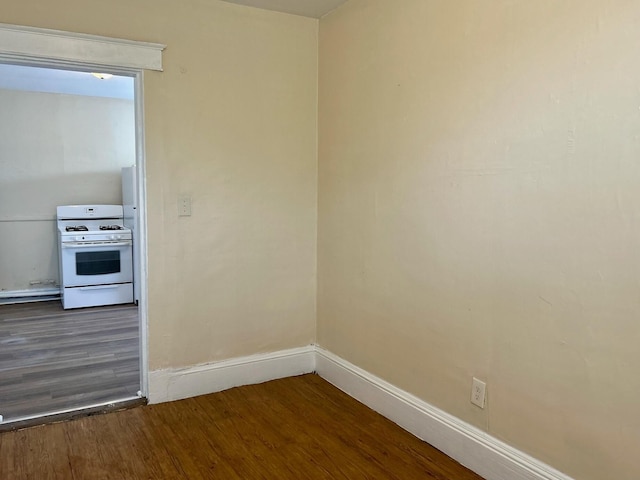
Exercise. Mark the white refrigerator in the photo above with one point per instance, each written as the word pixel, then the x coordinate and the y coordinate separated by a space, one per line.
pixel 130 207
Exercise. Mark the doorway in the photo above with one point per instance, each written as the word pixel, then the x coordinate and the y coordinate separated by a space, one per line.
pixel 68 134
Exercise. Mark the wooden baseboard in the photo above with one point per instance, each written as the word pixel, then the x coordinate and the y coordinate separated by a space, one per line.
pixel 473 448
pixel 175 384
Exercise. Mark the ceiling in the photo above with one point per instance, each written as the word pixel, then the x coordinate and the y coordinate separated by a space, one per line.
pixel 305 8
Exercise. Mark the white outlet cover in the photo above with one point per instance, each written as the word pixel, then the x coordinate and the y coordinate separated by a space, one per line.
pixel 478 392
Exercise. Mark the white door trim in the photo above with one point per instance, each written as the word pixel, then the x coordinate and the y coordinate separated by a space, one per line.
pixel 53 48
pixel 141 228
pixel 28 43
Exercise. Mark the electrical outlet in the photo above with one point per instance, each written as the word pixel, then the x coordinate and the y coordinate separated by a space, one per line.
pixel 184 206
pixel 478 391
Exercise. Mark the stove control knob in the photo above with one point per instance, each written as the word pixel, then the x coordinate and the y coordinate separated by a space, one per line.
pixel 115 237
pixel 77 239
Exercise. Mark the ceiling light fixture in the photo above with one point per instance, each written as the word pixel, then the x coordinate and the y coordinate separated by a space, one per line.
pixel 102 76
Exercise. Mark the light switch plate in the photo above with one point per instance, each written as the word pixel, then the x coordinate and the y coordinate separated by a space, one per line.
pixel 184 206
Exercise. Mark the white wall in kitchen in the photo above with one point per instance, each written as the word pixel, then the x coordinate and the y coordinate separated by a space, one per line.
pixel 55 149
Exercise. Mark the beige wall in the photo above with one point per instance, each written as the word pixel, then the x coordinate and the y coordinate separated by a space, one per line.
pixel 232 123
pixel 54 150
pixel 478 200
pixel 479 209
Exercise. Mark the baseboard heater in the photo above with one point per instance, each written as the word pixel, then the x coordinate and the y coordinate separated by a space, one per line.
pixel 29 294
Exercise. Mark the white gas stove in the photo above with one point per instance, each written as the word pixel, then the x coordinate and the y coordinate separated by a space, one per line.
pixel 96 266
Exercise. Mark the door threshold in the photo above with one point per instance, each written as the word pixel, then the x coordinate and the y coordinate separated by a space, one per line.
pixel 72 414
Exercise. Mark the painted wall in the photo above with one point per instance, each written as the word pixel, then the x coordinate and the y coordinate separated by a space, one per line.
pixel 54 150
pixel 231 122
pixel 479 214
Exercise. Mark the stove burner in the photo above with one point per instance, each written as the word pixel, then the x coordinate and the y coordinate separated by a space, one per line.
pixel 111 227
pixel 78 228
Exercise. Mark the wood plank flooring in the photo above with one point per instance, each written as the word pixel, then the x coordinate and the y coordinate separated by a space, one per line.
pixel 53 359
pixel 294 428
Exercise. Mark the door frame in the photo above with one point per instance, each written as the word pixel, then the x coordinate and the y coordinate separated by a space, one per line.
pixel 37 47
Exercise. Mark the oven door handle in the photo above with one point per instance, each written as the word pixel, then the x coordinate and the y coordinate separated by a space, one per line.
pixel 95 244
pixel 99 287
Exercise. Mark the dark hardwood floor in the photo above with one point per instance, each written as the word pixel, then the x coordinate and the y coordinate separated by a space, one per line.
pixel 53 359
pixel 294 428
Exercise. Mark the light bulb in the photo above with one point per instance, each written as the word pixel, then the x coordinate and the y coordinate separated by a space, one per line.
pixel 102 76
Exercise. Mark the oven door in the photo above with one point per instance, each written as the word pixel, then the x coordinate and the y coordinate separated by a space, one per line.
pixel 96 263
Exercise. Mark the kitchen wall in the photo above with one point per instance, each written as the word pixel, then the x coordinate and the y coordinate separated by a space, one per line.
pixel 54 150
pixel 479 214
pixel 231 122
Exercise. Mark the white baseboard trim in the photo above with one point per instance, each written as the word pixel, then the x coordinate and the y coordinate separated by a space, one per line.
pixel 473 448
pixel 176 384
